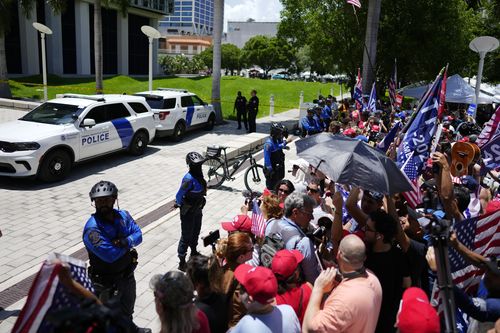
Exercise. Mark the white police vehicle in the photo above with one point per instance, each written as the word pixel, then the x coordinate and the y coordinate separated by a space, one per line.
pixel 73 128
pixel 179 111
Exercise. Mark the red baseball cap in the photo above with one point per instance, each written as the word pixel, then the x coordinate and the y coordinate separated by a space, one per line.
pixel 416 314
pixel 239 223
pixel 285 262
pixel 492 206
pixel 259 282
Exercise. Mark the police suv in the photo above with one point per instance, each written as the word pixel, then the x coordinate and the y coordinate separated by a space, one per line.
pixel 179 111
pixel 73 128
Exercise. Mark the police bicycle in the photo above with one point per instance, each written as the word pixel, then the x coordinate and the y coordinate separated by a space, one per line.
pixel 217 168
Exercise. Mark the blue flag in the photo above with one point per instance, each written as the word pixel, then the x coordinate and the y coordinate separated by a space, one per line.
pixel 389 138
pixel 372 102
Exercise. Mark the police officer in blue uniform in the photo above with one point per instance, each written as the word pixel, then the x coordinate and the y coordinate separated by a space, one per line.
pixel 310 124
pixel 191 200
pixel 274 158
pixel 110 236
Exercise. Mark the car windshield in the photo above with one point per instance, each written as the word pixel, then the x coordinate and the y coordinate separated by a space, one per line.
pixel 53 113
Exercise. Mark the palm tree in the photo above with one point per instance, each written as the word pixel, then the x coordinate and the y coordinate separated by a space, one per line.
pixel 217 35
pixel 370 47
pixel 5 17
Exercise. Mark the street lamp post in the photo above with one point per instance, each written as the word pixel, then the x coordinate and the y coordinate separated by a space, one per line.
pixel 152 33
pixel 44 30
pixel 481 45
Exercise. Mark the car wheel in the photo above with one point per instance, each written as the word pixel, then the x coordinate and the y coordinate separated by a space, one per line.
pixel 179 131
pixel 138 144
pixel 210 122
pixel 55 166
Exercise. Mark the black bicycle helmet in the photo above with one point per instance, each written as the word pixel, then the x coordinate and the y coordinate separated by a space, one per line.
pixel 276 129
pixel 194 158
pixel 103 189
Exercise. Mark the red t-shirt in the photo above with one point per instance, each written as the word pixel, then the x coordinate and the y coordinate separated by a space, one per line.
pixel 293 298
pixel 203 320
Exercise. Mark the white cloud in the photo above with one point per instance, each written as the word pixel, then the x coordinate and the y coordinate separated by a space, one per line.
pixel 259 10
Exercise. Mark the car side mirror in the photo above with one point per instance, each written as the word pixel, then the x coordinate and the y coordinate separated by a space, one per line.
pixel 88 123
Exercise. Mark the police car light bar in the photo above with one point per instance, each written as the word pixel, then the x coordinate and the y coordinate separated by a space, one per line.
pixel 97 99
pixel 173 89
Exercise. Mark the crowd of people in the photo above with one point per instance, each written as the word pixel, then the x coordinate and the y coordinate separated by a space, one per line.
pixel 331 258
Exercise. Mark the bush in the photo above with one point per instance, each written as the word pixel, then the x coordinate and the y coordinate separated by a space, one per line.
pixel 180 64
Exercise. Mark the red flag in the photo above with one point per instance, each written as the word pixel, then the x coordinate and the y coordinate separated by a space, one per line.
pixel 442 94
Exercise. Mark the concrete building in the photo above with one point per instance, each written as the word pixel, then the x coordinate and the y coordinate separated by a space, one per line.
pixel 186 45
pixel 190 17
pixel 70 49
pixel 238 33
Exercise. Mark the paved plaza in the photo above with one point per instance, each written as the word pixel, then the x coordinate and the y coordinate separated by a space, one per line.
pixel 38 219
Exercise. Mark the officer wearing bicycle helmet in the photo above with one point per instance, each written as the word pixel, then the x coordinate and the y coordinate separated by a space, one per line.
pixel 274 158
pixel 191 200
pixel 110 236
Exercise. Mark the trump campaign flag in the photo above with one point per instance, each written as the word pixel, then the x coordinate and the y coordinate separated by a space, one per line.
pixel 372 102
pixel 47 294
pixel 389 138
pixel 413 151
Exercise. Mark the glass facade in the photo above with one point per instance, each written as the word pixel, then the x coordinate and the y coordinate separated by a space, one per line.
pixel 190 17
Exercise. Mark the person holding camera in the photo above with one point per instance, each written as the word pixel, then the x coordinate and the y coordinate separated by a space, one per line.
pixel 191 199
pixel 274 158
pixel 353 304
pixel 110 236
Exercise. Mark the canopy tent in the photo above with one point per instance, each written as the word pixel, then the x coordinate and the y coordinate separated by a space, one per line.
pixel 457 91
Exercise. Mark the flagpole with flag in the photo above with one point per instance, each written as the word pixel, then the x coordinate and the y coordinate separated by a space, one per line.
pixel 358 92
pixel 414 149
pixel 392 86
pixel 372 102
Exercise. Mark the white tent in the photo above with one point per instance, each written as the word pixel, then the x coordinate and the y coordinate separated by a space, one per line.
pixel 457 91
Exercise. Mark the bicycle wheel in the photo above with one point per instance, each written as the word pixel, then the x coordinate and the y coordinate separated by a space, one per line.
pixel 213 170
pixel 254 178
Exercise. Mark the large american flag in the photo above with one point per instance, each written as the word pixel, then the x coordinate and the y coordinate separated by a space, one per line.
pixel 258 222
pixel 356 3
pixel 415 146
pixel 47 294
pixel 392 86
pixel 481 235
pixel 358 92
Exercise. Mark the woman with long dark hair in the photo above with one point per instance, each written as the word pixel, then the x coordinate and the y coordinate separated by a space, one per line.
pixel 191 200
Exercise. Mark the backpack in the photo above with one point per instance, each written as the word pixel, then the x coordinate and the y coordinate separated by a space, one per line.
pixel 271 245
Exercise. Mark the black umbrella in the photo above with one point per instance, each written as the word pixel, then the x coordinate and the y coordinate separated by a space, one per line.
pixel 352 162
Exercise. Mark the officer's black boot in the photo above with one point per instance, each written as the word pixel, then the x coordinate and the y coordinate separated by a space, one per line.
pixel 182 264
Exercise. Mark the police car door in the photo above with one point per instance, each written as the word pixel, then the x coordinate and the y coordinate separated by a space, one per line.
pixel 95 140
pixel 200 110
pixel 188 110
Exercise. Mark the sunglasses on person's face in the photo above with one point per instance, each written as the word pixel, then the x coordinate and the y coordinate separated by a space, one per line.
pixel 284 190
pixel 313 190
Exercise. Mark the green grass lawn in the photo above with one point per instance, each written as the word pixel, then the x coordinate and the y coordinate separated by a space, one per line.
pixel 286 93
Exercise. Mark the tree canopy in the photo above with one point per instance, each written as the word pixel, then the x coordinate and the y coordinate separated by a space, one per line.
pixel 267 52
pixel 423 35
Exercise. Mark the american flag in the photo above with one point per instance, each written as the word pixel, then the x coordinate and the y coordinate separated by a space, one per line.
pixel 372 102
pixel 490 130
pixel 358 92
pixel 413 151
pixel 258 222
pixel 392 86
pixel 356 3
pixel 47 294
pixel 481 235
pixel 345 194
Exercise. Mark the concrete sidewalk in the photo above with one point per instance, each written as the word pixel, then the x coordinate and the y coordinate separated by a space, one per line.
pixel 157 253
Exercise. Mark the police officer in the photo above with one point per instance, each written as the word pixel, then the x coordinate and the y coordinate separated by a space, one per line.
pixel 274 158
pixel 240 106
pixel 253 108
pixel 191 200
pixel 309 123
pixel 110 236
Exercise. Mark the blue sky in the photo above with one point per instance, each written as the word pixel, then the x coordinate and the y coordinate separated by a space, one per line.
pixel 259 10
